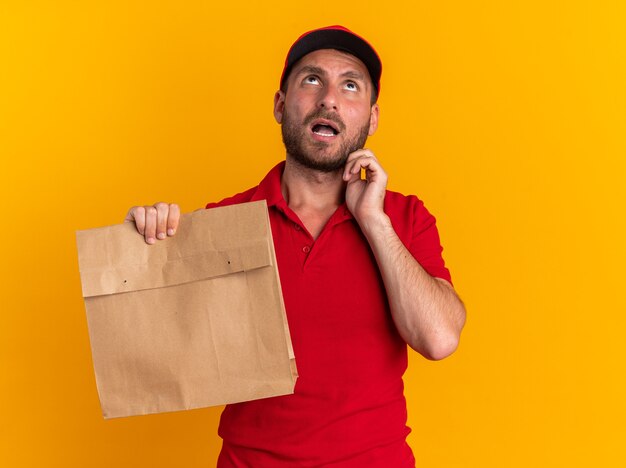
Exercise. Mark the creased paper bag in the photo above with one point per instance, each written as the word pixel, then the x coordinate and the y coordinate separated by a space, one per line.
pixel 195 320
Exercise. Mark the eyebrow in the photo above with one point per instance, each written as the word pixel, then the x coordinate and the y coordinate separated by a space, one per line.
pixel 311 69
pixel 320 71
pixel 354 74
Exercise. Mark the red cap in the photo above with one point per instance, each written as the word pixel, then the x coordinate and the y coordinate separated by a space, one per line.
pixel 339 38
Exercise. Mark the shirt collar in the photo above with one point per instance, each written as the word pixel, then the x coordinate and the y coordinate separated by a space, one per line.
pixel 269 189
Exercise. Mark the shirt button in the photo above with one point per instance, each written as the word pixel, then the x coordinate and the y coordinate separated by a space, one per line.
pixel 306 249
pixel 297 226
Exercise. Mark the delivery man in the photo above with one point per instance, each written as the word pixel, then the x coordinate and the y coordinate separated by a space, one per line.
pixel 360 266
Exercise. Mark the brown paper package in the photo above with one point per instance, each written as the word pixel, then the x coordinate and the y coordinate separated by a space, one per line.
pixel 195 320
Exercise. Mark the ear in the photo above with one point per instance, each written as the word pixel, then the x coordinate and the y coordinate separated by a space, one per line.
pixel 279 106
pixel 373 119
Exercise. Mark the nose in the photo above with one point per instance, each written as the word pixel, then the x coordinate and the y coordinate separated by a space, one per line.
pixel 328 98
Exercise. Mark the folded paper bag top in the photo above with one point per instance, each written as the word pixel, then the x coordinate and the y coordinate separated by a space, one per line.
pixel 194 320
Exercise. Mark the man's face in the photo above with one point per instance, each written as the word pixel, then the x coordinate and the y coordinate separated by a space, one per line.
pixel 326 112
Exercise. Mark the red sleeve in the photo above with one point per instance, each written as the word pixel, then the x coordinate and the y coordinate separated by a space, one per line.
pixel 242 197
pixel 417 229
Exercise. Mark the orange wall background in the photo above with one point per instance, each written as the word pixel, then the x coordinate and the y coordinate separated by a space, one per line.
pixel 506 118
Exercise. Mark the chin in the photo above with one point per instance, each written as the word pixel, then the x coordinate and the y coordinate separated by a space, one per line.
pixel 321 164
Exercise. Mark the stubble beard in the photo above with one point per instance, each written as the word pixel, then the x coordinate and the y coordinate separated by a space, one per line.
pixel 318 156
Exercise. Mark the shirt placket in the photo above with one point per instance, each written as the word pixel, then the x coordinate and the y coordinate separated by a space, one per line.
pixel 306 248
pixel 302 241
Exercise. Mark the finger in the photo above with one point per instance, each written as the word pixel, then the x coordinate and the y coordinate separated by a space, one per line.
pixel 353 170
pixel 373 169
pixel 359 153
pixel 364 161
pixel 350 177
pixel 172 219
pixel 130 216
pixel 374 173
pixel 137 215
pixel 352 163
pixel 151 223
pixel 163 210
pixel 348 171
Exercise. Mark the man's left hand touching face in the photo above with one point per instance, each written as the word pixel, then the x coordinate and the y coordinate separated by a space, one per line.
pixel 365 197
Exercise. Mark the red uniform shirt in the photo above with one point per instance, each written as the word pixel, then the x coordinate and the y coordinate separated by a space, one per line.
pixel 348 409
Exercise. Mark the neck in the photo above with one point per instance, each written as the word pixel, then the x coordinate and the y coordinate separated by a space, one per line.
pixel 311 189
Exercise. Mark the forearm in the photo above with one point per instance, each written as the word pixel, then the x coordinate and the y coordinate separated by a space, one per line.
pixel 426 311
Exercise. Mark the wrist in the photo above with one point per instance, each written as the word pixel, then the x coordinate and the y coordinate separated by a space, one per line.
pixel 375 224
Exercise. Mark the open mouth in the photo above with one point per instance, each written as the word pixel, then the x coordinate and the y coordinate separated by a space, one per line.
pixel 324 128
